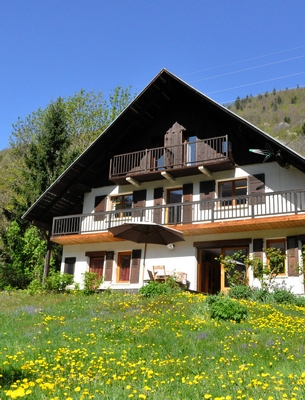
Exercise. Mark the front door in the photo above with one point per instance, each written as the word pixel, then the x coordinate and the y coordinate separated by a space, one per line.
pixel 208 272
pixel 123 267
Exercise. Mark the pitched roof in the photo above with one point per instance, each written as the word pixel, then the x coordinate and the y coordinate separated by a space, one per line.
pixel 161 99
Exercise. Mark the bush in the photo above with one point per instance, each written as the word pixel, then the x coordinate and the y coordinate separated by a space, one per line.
pixel 260 295
pixel 300 301
pixel 154 288
pixel 92 282
pixel 226 309
pixel 57 282
pixel 35 287
pixel 283 296
pixel 241 292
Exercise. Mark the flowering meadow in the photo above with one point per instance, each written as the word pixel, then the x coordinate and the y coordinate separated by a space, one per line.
pixel 124 346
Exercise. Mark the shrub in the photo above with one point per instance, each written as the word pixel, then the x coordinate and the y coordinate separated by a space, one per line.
pixel 35 287
pixel 260 295
pixel 241 292
pixel 226 309
pixel 92 282
pixel 300 301
pixel 283 296
pixel 154 288
pixel 57 282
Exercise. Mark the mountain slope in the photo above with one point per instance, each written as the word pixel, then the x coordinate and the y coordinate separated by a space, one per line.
pixel 279 113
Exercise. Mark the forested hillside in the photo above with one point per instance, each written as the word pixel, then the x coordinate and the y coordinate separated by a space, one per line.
pixel 279 113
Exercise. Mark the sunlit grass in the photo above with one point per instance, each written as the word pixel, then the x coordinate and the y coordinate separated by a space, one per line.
pixel 118 346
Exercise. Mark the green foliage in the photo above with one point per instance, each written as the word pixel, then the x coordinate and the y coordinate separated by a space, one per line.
pixel 154 288
pixel 225 309
pixel 267 273
pixel 267 112
pixel 91 282
pixel 58 282
pixel 241 292
pixel 261 295
pixel 299 301
pixel 235 276
pixel 43 144
pixel 35 287
pixel 23 256
pixel 283 296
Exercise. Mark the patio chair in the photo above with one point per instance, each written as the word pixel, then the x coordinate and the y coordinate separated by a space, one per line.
pixel 159 273
pixel 151 275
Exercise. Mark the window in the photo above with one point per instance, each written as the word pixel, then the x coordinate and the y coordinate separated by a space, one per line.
pixel 234 188
pixel 278 244
pixel 174 212
pixel 123 269
pixel 69 265
pixel 123 202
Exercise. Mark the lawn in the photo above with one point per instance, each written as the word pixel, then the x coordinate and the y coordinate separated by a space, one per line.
pixel 124 346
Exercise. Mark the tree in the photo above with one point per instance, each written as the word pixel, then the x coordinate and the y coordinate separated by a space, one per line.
pixel 42 145
pixel 23 257
pixel 47 154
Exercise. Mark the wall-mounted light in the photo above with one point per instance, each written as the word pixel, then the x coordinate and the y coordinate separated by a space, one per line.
pixel 171 246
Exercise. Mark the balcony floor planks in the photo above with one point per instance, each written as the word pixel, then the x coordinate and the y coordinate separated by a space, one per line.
pixel 208 228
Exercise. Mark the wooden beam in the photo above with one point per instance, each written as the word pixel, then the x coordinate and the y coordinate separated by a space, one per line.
pixel 167 176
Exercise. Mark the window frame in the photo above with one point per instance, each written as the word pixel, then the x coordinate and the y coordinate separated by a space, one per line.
pixel 232 202
pixel 122 203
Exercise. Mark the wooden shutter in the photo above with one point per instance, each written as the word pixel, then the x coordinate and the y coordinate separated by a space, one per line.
pixel 139 201
pixel 207 192
pixel 293 255
pixel 135 266
pixel 109 265
pixel 187 197
pixel 69 265
pixel 158 199
pixel 174 137
pixel 256 185
pixel 100 206
pixel 258 245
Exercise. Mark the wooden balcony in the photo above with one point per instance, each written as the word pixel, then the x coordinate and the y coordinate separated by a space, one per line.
pixel 276 210
pixel 181 160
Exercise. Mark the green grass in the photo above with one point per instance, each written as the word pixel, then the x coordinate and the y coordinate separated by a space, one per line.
pixel 118 346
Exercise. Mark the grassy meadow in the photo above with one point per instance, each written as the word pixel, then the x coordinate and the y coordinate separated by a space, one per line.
pixel 124 346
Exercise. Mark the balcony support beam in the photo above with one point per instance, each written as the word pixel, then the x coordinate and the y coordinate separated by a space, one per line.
pixel 133 181
pixel 167 176
pixel 204 171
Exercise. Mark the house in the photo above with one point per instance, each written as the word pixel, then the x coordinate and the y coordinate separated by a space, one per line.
pixel 177 158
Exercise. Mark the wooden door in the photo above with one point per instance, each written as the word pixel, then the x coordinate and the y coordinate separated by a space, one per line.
pixel 123 267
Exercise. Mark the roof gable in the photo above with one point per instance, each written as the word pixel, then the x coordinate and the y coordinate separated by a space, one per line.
pixel 165 100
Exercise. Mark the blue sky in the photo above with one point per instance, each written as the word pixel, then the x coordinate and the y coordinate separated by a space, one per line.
pixel 223 48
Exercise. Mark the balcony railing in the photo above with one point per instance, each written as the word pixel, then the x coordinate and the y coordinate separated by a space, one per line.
pixel 187 154
pixel 228 208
